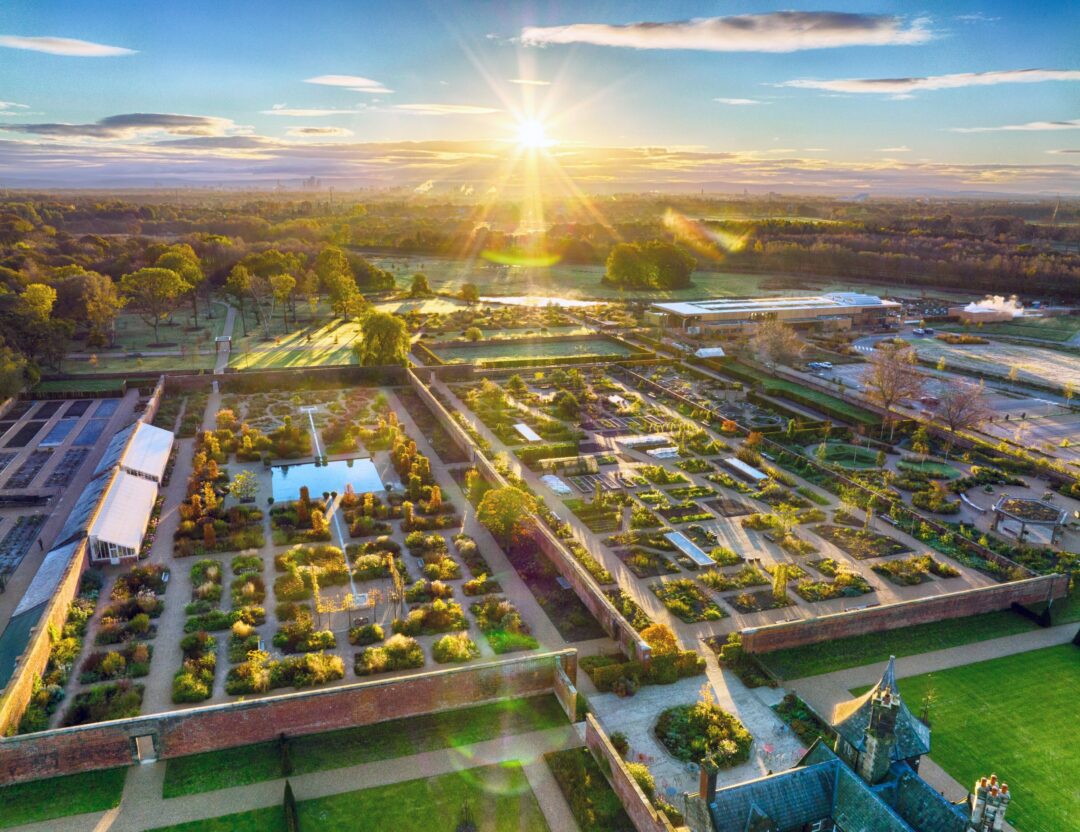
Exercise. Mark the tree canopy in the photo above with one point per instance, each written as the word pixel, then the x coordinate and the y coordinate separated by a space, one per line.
pixel 384 340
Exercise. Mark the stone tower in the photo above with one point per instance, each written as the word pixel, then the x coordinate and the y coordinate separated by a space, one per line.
pixel 988 803
pixel 880 741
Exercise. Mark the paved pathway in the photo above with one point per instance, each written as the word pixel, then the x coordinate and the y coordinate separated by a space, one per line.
pixel 142 806
pixel 222 361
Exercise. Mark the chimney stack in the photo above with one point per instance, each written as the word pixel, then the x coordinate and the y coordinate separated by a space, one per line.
pixel 707 780
pixel 988 804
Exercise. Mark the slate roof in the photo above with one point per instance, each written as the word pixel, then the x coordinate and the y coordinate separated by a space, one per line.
pixel 790 799
pixel 851 718
pixel 114 451
pixel 923 807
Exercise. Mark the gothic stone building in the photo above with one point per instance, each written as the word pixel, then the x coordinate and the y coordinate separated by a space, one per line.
pixel 868 782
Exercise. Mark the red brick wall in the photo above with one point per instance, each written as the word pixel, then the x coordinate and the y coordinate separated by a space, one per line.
pixel 105 745
pixel 15 697
pixel 642 814
pixel 876 619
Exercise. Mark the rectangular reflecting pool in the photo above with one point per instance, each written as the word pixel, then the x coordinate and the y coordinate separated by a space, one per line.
pixel 289 479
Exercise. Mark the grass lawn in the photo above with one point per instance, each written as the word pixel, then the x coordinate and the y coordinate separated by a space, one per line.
pixel 1013 716
pixel 494 351
pixel 937 470
pixel 595 805
pixel 79 385
pixel 848 456
pixel 57 797
pixel 499 796
pixel 309 345
pixel 814 659
pixel 382 741
pixel 1057 330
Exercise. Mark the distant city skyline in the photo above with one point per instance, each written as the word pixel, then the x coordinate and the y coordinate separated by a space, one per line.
pixel 547 99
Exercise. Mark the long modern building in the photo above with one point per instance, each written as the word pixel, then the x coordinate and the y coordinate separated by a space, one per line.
pixel 734 316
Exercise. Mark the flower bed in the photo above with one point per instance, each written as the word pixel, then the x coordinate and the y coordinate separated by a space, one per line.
pixel 398 653
pixel 914 570
pixel 194 682
pixel 131 661
pixel 455 647
pixel 645 564
pixel 845 583
pixel 749 575
pixel 260 673
pixel 629 609
pixel 760 601
pixel 501 624
pixel 116 700
pixel 297 634
pixel 693 732
pixel 686 601
pixel 861 544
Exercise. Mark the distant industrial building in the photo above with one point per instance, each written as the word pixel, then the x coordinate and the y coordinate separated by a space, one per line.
pixel 835 311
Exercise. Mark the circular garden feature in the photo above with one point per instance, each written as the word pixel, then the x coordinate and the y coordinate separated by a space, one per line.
pixel 693 732
pixel 844 455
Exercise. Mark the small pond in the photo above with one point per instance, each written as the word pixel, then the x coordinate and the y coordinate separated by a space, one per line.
pixel 334 476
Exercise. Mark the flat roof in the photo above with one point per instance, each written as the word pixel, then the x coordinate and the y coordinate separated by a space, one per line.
pixel 749 470
pixel 125 511
pixel 148 451
pixel 690 549
pixel 528 433
pixel 831 301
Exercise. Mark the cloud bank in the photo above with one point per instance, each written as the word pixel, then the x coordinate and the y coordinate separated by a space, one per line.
pixel 307 112
pixel 316 132
pixel 64 46
pixel 737 102
pixel 1029 127
pixel 773 32
pixel 907 86
pixel 129 125
pixel 356 83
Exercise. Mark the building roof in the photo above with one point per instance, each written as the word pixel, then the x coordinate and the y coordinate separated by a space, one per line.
pixel 82 513
pixel 710 352
pixel 850 720
pixel 790 799
pixel 835 301
pixel 690 549
pixel 48 577
pixel 148 451
pixel 528 433
pixel 125 511
pixel 114 451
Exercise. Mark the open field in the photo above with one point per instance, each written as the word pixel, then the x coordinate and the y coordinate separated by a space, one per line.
pixel 1058 329
pixel 499 796
pixel 1013 716
pixel 1039 365
pixel 330 343
pixel 840 654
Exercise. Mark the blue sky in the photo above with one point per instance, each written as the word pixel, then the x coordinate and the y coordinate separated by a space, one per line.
pixel 723 95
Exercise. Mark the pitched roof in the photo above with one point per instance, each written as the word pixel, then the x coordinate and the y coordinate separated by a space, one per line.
pixel 789 799
pixel 850 720
pixel 125 511
pixel 148 451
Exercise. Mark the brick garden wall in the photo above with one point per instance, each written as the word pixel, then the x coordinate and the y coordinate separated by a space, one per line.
pixel 920 611
pixel 583 584
pixel 641 812
pixel 176 734
pixel 16 695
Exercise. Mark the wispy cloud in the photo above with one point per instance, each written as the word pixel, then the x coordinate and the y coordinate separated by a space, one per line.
pixel 356 83
pixel 1029 127
pixel 307 112
pixel 899 149
pixel 907 86
pixel 1064 151
pixel 978 17
pixel 129 125
pixel 773 32
pixel 316 132
pixel 10 108
pixel 737 102
pixel 446 109
pixel 64 46
pixel 530 82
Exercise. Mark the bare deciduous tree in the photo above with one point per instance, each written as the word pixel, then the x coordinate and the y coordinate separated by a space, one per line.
pixel 891 376
pixel 775 342
pixel 962 406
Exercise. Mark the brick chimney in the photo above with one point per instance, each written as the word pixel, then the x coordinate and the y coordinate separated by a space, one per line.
pixel 989 801
pixel 707 780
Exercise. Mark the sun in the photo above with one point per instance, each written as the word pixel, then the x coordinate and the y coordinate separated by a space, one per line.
pixel 531 134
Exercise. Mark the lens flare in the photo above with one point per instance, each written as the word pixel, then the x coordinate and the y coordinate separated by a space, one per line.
pixel 525 261
pixel 714 244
